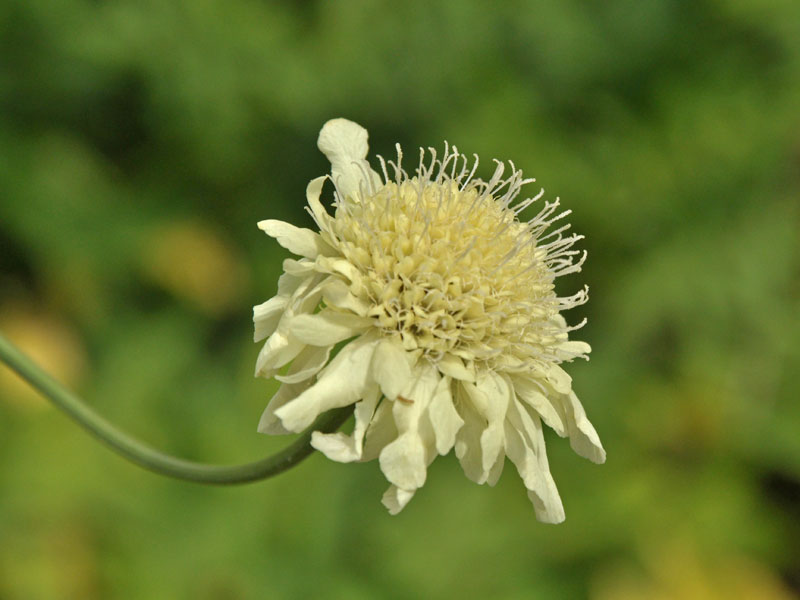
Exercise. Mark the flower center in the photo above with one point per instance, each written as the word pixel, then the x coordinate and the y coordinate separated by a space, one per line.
pixel 448 268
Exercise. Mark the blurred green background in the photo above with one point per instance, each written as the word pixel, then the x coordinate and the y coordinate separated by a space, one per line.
pixel 141 141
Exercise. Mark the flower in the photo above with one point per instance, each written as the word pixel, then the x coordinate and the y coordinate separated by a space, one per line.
pixel 444 302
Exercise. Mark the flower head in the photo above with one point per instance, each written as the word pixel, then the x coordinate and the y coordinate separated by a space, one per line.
pixel 445 301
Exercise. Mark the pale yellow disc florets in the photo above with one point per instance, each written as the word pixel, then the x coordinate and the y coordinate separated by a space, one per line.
pixel 448 267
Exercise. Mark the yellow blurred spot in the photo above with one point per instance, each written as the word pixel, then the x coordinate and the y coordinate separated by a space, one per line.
pixel 189 260
pixel 38 560
pixel 676 571
pixel 50 342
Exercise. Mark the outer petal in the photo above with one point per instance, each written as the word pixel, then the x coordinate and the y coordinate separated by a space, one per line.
pixel 343 267
pixel 574 349
pixel 327 327
pixel 296 240
pixel 307 364
pixel 390 368
pixel 582 435
pixel 531 393
pixel 559 379
pixel 282 347
pixel 525 447
pixel 490 396
pixel 337 293
pixel 269 423
pixel 454 367
pixel 278 350
pixel 267 315
pixel 381 431
pixel 444 417
pixel 405 460
pixel 318 212
pixel 345 145
pixel 342 382
pixel 468 438
pixel 348 448
pixel 396 499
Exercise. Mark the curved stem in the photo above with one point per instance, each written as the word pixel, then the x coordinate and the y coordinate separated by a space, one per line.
pixel 149 458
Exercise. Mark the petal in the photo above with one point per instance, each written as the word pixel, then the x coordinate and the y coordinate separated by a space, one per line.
pixel 342 382
pixel 468 438
pixel 298 268
pixel 530 392
pixel 306 364
pixel 525 447
pixel 444 417
pixel 267 315
pixel 547 502
pixel 405 460
pixel 490 395
pixel 559 379
pixel 278 350
pixel 337 293
pixel 345 268
pixel 493 476
pixel 348 448
pixel 454 367
pixel 345 145
pixel 381 431
pixel 390 368
pixel 396 499
pixel 318 212
pixel 296 240
pixel 269 423
pixel 582 435
pixel 574 349
pixel 327 327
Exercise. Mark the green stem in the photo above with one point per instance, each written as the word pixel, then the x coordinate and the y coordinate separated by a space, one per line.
pixel 149 458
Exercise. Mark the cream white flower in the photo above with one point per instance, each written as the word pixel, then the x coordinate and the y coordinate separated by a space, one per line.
pixel 454 337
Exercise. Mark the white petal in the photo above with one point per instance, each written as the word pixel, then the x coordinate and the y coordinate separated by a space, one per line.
pixel 306 364
pixel 337 293
pixel 444 417
pixel 396 499
pixel 297 268
pixel 559 379
pixel 528 391
pixel 348 448
pixel 468 439
pixel 345 145
pixel 278 350
pixel 318 212
pixel 381 431
pixel 454 367
pixel 525 447
pixel 582 435
pixel 547 502
pixel 405 460
pixel 296 240
pixel 291 279
pixel 574 348
pixel 493 476
pixel 345 268
pixel 269 423
pixel 327 327
pixel 490 395
pixel 342 382
pixel 267 315
pixel 390 368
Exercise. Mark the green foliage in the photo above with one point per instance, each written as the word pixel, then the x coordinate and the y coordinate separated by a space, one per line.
pixel 142 141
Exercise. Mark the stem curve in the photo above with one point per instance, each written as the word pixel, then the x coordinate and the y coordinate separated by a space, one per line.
pixel 149 458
